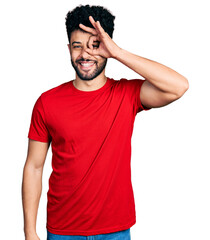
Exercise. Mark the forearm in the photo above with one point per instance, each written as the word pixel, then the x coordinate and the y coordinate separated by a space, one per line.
pixel 162 77
pixel 31 193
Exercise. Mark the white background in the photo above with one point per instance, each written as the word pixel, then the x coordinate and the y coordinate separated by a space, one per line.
pixel 170 145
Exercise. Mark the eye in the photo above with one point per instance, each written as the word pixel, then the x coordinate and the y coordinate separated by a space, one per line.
pixel 96 45
pixel 76 46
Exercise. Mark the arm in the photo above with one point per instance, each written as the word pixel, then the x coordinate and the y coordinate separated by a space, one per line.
pixel 162 85
pixel 32 185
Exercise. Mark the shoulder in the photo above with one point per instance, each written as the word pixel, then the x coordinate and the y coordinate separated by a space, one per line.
pixel 131 83
pixel 55 92
pixel 125 81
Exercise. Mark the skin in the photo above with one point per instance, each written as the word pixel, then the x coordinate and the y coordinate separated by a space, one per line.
pixel 32 185
pixel 78 45
pixel 94 77
pixel 162 86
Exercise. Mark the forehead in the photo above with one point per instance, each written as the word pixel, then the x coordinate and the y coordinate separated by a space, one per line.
pixel 80 36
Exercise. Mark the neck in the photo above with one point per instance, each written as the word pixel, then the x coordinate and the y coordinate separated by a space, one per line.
pixel 90 85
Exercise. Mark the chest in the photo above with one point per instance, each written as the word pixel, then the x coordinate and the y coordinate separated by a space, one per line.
pixel 75 119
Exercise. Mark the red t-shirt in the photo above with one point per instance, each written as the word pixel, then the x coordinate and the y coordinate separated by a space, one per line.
pixel 90 190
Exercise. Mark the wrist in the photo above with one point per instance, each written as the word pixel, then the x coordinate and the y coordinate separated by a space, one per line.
pixel 117 52
pixel 120 54
pixel 30 232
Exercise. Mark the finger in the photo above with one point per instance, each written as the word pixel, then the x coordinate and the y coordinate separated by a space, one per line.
pixel 88 29
pixel 92 21
pixel 96 25
pixel 99 27
pixel 92 51
pixel 93 42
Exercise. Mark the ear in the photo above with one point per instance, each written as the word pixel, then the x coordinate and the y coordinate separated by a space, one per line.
pixel 69 47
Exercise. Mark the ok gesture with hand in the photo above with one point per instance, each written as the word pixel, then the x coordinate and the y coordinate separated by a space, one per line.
pixel 105 46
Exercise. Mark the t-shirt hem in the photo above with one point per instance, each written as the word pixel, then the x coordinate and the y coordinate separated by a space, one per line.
pixel 37 138
pixel 40 139
pixel 92 232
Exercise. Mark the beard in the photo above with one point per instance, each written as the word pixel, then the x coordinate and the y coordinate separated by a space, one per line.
pixel 89 76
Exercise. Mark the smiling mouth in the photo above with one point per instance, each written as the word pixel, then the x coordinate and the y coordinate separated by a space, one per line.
pixel 86 65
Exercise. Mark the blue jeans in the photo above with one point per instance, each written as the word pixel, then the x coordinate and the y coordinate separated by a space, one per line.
pixel 120 235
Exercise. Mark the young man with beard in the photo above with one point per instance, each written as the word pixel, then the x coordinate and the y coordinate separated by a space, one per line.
pixel 89 123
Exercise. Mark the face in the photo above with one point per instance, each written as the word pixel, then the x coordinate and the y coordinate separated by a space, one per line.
pixel 87 67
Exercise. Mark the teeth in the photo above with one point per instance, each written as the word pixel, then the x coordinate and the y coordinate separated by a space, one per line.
pixel 86 64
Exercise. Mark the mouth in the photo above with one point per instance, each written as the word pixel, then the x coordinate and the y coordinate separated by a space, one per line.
pixel 86 65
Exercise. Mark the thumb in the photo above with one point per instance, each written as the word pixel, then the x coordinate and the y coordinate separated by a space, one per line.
pixel 93 42
pixel 92 51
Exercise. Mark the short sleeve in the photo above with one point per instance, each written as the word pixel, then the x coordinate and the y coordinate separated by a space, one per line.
pixel 38 129
pixel 134 89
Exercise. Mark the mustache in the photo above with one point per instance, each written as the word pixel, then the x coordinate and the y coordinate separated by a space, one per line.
pixel 86 60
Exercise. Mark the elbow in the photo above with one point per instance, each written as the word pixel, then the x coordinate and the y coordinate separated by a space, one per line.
pixel 184 86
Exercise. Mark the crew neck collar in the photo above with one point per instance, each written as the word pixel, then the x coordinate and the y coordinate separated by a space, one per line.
pixel 76 90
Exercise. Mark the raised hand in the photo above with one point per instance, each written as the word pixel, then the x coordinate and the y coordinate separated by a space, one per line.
pixel 100 43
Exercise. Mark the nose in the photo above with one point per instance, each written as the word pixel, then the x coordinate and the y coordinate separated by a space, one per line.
pixel 84 54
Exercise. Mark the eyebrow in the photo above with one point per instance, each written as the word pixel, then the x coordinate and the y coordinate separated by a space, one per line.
pixel 76 42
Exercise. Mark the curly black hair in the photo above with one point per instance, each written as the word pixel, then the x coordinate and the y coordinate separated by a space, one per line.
pixel 81 14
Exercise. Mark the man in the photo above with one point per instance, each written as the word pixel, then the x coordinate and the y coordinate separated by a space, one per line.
pixel 89 123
